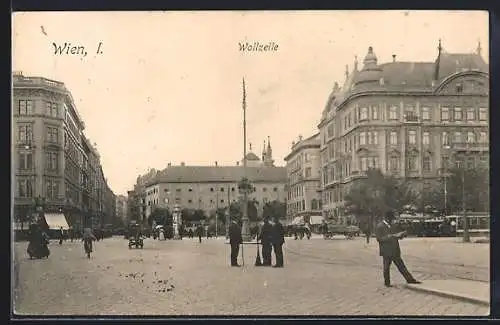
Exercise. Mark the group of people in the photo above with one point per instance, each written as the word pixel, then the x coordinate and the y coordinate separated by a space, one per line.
pixel 271 236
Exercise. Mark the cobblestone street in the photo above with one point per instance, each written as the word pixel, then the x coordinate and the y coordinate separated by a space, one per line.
pixel 337 277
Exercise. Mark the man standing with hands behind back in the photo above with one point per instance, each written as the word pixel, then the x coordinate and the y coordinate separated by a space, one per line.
pixel 278 240
pixel 389 249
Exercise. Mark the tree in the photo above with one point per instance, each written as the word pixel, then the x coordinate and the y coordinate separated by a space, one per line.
pixel 275 209
pixel 475 195
pixel 235 210
pixel 161 216
pixel 376 194
pixel 198 215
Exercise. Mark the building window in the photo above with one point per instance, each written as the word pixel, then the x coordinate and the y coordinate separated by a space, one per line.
pixel 457 137
pixel 264 189
pixel 211 189
pixel 459 88
pixel 471 137
pixel 52 134
pixel 372 137
pixel 190 190
pixel 25 107
pixel 51 159
pixel 363 113
pixel 427 164
pixel 25 133
pixel 364 163
pixel 426 113
pixel 445 162
pixel 393 115
pixel 308 172
pixel 375 112
pixel 471 116
pixel 221 201
pixel 412 137
pixel 25 188
pixel 483 114
pixel 445 114
pixel 51 189
pixel 190 201
pixel 483 137
pixel 329 130
pixel 425 138
pixel 445 140
pixel 51 109
pixel 393 138
pixel 362 138
pixel 222 189
pixel 411 162
pixel 457 116
pixel 25 160
pixel 394 163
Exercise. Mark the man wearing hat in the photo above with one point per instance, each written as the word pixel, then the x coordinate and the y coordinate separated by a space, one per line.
pixel 235 239
pixel 266 237
pixel 278 239
pixel 388 240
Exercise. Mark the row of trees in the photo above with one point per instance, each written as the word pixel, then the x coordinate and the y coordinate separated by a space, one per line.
pixel 378 193
pixel 163 216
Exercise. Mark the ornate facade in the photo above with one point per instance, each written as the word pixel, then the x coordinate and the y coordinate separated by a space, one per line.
pixel 55 165
pixel 410 119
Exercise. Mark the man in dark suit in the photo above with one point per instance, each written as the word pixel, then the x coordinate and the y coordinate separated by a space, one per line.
pixel 235 239
pixel 390 251
pixel 278 239
pixel 266 238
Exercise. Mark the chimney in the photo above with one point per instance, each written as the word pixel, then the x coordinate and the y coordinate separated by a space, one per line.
pixel 237 163
pixel 169 165
pixel 215 164
pixel 394 58
pixel 183 164
pixel 300 137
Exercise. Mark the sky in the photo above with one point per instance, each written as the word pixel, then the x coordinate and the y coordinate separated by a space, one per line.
pixel 166 87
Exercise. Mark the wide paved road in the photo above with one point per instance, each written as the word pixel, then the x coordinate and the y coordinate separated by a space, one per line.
pixel 188 278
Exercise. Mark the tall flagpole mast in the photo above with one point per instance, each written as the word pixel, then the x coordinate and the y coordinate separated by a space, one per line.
pixel 245 230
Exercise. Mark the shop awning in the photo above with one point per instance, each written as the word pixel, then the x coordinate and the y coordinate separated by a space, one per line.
pixel 56 221
pixel 316 220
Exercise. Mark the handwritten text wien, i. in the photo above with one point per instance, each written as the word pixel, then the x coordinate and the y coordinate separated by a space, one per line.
pixel 71 49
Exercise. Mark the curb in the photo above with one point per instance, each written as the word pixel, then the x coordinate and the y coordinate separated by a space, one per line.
pixel 449 294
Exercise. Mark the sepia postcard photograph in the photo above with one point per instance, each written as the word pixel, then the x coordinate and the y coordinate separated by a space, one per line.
pixel 250 163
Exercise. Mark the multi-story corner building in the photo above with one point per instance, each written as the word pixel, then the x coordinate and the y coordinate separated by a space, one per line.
pixel 121 210
pixel 55 166
pixel 212 187
pixel 409 119
pixel 303 166
pixel 138 210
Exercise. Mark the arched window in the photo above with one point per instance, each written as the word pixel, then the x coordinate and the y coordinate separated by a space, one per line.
pixel 314 204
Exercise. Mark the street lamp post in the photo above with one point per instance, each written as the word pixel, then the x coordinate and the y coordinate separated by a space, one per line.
pixel 464 210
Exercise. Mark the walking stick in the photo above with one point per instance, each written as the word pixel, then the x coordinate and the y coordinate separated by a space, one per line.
pixel 242 255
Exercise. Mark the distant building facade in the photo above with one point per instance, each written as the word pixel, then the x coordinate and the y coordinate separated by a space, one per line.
pixel 55 165
pixel 409 119
pixel 121 209
pixel 212 187
pixel 303 166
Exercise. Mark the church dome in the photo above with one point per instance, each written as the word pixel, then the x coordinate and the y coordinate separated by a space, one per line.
pixel 252 157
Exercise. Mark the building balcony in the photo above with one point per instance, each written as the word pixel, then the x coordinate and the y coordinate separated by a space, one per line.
pixel 411 118
pixel 52 145
pixel 471 147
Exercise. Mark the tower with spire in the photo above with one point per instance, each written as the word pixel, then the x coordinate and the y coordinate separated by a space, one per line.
pixel 268 157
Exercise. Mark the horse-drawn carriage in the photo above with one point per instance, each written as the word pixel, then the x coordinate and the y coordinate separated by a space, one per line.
pixel 135 236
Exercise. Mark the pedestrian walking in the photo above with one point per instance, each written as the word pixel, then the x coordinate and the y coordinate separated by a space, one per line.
pixel 390 250
pixel 266 237
pixel 199 230
pixel 278 239
pixel 61 236
pixel 235 240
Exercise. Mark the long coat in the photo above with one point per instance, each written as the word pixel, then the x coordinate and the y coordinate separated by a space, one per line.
pixel 235 237
pixel 278 234
pixel 388 246
pixel 266 234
